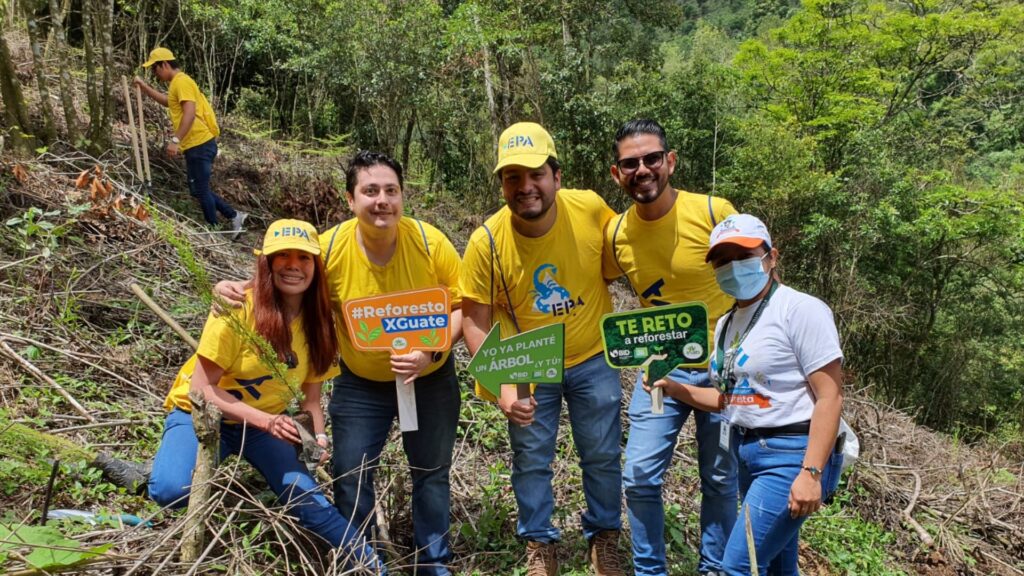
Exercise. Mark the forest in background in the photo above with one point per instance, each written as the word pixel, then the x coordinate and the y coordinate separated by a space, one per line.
pixel 880 141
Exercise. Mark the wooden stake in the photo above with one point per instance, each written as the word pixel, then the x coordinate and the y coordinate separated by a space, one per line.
pixel 206 421
pixel 142 133
pixel 657 394
pixel 164 316
pixel 131 126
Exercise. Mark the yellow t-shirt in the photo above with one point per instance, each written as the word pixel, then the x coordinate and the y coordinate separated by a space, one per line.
pixel 424 258
pixel 556 278
pixel 184 89
pixel 663 259
pixel 245 376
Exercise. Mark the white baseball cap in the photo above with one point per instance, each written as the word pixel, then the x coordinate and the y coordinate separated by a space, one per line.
pixel 742 229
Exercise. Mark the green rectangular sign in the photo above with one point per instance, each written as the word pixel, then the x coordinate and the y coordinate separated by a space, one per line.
pixel 677 331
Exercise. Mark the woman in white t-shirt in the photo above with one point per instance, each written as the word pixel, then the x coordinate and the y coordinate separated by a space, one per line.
pixel 777 367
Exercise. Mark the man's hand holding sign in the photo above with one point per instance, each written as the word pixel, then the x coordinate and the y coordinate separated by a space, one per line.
pixel 412 325
pixel 533 357
pixel 657 340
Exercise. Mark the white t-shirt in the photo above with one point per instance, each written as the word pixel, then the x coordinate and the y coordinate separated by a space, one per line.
pixel 795 336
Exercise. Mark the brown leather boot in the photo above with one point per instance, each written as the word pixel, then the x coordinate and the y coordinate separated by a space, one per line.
pixel 541 559
pixel 605 556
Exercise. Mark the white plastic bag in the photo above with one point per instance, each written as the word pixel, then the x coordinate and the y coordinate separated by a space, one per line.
pixel 851 448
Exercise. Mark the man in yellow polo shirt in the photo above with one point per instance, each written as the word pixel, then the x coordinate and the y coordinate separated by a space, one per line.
pixel 659 244
pixel 195 133
pixel 537 262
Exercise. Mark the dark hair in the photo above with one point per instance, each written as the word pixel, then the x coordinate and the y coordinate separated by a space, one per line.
pixel 317 318
pixel 365 159
pixel 172 63
pixel 551 161
pixel 636 127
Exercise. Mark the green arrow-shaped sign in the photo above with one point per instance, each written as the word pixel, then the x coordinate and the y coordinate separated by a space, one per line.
pixel 534 357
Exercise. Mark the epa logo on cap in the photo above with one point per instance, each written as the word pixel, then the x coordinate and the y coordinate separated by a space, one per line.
pixel 517 141
pixel 292 231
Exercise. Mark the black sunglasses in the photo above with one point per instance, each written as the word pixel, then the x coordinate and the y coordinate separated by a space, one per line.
pixel 652 160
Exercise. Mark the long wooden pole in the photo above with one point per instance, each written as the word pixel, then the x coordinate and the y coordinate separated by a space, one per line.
pixel 131 125
pixel 142 133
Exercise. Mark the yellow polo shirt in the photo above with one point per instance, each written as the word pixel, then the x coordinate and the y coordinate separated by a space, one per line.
pixel 184 89
pixel 556 278
pixel 424 258
pixel 245 376
pixel 663 259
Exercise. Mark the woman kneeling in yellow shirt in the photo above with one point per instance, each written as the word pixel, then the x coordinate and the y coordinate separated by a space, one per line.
pixel 289 307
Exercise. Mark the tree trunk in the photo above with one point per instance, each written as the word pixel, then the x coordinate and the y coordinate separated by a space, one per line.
pixel 107 50
pixel 206 421
pixel 97 28
pixel 49 131
pixel 488 82
pixel 91 91
pixel 15 113
pixel 407 139
pixel 66 87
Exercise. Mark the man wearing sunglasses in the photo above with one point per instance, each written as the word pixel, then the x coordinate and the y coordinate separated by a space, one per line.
pixel 659 244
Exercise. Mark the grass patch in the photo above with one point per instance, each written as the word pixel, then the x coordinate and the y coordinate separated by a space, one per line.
pixel 851 544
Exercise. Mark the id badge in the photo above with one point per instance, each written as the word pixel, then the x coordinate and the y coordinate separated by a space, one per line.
pixel 724 433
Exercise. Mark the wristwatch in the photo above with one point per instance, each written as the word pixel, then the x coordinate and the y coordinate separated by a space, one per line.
pixel 175 139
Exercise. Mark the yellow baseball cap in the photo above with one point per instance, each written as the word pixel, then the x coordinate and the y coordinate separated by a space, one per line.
pixel 525 144
pixel 158 55
pixel 287 234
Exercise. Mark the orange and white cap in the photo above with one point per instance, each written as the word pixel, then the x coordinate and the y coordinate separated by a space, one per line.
pixel 741 229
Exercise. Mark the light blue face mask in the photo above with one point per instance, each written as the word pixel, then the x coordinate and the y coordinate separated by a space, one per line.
pixel 742 279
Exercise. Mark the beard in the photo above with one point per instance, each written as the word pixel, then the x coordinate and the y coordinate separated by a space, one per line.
pixel 534 211
pixel 646 189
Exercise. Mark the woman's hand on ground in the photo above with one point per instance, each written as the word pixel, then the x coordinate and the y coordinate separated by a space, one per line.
pixel 804 495
pixel 321 441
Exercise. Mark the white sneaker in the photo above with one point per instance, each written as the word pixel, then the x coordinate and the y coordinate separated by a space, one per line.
pixel 236 224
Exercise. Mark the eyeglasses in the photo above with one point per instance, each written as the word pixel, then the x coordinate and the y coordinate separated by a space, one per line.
pixel 652 160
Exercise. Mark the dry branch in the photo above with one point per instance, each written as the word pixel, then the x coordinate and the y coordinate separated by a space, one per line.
pixel 28 366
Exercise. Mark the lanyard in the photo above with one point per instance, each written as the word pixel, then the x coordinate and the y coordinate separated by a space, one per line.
pixel 726 361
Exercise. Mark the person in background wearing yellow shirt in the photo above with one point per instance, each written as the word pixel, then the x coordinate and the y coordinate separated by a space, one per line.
pixel 537 262
pixel 659 244
pixel 195 134
pixel 289 307
pixel 377 252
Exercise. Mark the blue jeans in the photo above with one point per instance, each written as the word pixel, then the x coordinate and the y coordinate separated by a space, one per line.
pixel 199 166
pixel 362 412
pixel 594 396
pixel 652 439
pixel 276 460
pixel 768 466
